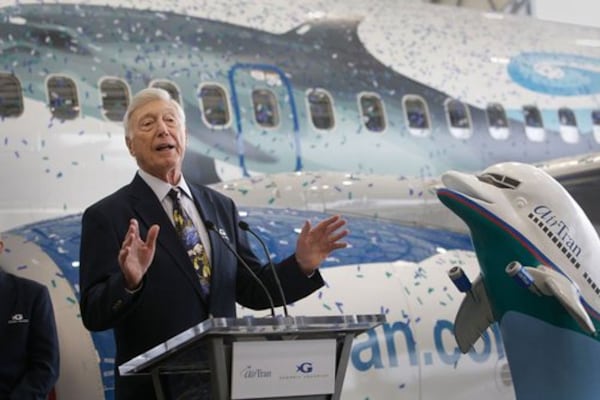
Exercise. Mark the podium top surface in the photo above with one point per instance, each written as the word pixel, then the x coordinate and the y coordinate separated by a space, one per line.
pixel 248 327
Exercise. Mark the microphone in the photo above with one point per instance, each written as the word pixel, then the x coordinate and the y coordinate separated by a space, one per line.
pixel 211 227
pixel 245 227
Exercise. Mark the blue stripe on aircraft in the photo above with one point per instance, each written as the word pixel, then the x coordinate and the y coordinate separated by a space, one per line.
pixel 371 240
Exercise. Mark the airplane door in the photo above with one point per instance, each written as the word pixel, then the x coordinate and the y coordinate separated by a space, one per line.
pixel 266 119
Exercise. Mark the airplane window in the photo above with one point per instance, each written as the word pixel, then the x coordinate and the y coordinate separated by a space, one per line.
pixel 266 109
pixel 501 181
pixel 62 97
pixel 459 119
pixel 169 87
pixel 115 98
pixel 11 96
pixel 568 125
pixel 567 117
pixel 533 118
pixel 596 117
pixel 596 125
pixel 497 121
pixel 416 115
pixel 496 115
pixel 373 114
pixel 321 108
pixel 214 106
pixel 534 127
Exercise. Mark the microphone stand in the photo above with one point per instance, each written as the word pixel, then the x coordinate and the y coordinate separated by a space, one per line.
pixel 211 227
pixel 245 227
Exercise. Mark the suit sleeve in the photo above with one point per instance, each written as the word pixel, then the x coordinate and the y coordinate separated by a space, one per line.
pixel 42 351
pixel 104 300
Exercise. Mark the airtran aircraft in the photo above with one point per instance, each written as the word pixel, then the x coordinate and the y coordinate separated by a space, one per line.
pixel 537 251
pixel 371 95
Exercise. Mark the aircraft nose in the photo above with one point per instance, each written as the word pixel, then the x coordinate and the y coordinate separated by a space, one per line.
pixel 465 184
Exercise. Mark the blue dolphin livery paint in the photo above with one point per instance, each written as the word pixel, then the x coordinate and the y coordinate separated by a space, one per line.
pixel 373 241
pixel 556 74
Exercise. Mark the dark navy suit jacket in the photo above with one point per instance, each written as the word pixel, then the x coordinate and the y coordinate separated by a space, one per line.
pixel 170 300
pixel 29 354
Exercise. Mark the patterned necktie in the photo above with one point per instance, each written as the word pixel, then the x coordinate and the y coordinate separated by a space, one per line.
pixel 191 241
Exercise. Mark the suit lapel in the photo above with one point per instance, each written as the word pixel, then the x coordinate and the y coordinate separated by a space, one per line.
pixel 7 305
pixel 204 205
pixel 150 211
pixel 208 212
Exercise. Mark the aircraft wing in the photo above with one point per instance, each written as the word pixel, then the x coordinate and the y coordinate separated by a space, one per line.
pixel 581 177
pixel 473 317
pixel 552 283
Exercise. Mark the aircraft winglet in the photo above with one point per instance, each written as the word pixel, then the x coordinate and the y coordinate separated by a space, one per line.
pixel 473 317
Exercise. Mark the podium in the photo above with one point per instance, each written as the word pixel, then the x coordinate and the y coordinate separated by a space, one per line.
pixel 275 358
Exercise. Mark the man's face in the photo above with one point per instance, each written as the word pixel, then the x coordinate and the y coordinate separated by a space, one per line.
pixel 158 140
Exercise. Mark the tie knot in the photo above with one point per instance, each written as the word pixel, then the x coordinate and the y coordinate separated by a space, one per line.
pixel 174 194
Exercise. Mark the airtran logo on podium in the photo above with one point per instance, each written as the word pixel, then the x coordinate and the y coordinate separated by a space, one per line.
pixel 276 368
pixel 255 373
pixel 303 370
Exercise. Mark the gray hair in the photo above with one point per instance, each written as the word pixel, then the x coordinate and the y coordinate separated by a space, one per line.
pixel 144 97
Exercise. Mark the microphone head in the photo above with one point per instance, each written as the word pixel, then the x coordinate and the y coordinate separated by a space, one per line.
pixel 209 225
pixel 243 225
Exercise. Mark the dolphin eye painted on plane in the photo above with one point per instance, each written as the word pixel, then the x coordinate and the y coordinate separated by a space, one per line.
pixel 500 181
pixel 520 202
